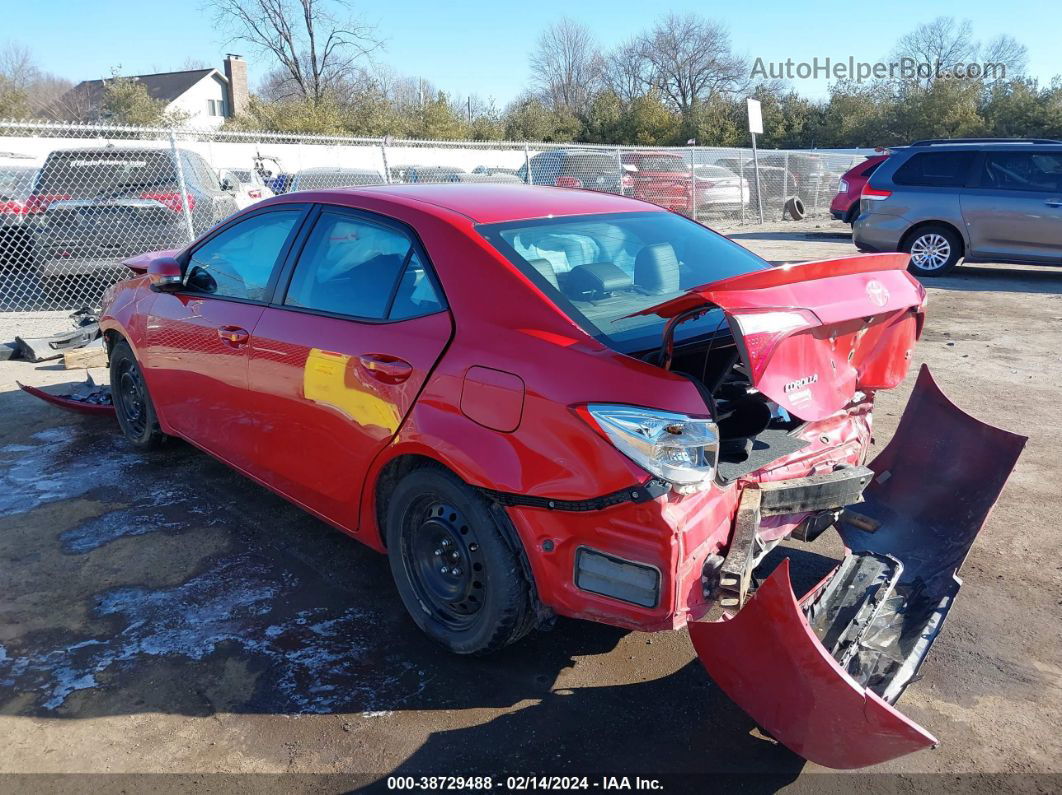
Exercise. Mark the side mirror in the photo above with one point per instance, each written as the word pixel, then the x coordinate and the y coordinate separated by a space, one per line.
pixel 164 274
pixel 228 184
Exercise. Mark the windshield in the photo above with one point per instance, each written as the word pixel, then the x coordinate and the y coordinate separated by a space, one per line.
pixel 601 268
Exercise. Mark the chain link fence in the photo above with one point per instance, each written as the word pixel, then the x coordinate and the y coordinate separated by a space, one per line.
pixel 75 200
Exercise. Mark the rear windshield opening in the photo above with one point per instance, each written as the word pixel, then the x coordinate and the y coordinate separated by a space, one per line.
pixel 601 268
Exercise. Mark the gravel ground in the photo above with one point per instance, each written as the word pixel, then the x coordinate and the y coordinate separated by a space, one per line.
pixel 161 614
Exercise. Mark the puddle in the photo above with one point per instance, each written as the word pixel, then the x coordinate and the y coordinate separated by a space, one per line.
pixel 316 660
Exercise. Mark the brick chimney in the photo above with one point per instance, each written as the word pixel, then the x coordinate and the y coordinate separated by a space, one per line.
pixel 236 73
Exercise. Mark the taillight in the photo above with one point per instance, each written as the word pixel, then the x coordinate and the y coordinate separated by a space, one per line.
pixel 680 449
pixel 874 194
pixel 564 181
pixel 255 194
pixel 12 208
pixel 762 331
pixel 171 201
pixel 626 181
pixel 38 202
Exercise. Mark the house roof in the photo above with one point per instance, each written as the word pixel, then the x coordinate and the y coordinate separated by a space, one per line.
pixel 165 86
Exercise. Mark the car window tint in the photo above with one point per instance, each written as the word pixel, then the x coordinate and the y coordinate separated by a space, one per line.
pixel 349 267
pixel 935 169
pixel 238 262
pixel 1032 171
pixel 416 294
pixel 872 168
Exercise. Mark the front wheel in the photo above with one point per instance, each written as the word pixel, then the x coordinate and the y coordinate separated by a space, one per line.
pixel 132 403
pixel 934 250
pixel 456 571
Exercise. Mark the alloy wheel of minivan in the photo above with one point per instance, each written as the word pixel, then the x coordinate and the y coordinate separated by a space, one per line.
pixel 934 251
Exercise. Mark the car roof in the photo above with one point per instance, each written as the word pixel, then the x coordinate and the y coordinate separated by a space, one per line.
pixel 494 203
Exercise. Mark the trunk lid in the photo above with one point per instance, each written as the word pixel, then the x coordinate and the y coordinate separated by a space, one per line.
pixel 813 334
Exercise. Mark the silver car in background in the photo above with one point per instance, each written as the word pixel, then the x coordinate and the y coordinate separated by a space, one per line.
pixel 976 199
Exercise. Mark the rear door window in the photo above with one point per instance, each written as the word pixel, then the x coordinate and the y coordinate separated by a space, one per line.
pixel 935 169
pixel 239 261
pixel 356 268
pixel 1027 171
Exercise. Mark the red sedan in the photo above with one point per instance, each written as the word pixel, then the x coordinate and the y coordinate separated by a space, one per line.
pixel 539 401
pixel 663 178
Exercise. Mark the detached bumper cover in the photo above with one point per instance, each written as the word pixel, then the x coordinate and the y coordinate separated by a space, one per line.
pixel 85 398
pixel 821 673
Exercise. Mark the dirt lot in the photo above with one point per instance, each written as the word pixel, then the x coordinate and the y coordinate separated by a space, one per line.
pixel 161 614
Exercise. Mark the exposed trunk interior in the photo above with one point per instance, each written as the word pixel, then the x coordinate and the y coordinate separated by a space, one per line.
pixel 753 430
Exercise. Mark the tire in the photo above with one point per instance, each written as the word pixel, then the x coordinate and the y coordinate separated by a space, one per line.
pixel 794 208
pixel 935 250
pixel 132 403
pixel 434 521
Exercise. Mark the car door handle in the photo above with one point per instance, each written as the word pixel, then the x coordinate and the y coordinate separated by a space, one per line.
pixel 386 369
pixel 233 335
pixel 1053 202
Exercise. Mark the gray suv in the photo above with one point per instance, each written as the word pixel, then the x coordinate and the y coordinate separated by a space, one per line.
pixel 977 199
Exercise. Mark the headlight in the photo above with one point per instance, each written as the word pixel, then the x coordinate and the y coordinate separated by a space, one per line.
pixel 674 447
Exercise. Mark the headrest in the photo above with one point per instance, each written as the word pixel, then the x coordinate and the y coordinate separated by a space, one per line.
pixel 656 269
pixel 545 268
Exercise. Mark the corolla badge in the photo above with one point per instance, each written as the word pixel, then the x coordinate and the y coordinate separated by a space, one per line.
pixel 877 293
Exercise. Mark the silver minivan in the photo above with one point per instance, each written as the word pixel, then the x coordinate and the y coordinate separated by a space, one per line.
pixel 975 199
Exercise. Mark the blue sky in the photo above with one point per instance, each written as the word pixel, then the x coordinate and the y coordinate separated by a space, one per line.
pixel 481 47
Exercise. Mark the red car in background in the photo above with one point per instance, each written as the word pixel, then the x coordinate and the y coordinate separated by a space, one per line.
pixel 539 401
pixel 845 205
pixel 662 178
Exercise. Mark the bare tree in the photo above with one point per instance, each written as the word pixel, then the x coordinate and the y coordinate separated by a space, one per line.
pixel 314 42
pixel 691 61
pixel 1008 51
pixel 947 43
pixel 25 89
pixel 627 72
pixel 943 43
pixel 566 66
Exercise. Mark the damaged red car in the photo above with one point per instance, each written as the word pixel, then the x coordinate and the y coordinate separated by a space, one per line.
pixel 540 401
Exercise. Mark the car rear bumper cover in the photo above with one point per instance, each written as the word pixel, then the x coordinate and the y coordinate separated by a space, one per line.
pixel 821 673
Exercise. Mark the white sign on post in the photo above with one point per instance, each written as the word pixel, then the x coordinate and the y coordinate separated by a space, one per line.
pixel 755 117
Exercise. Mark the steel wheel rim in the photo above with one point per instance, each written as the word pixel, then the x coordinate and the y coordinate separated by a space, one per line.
pixel 130 397
pixel 930 252
pixel 444 561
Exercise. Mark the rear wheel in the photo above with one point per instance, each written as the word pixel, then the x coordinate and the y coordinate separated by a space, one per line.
pixel 457 574
pixel 132 403
pixel 934 250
